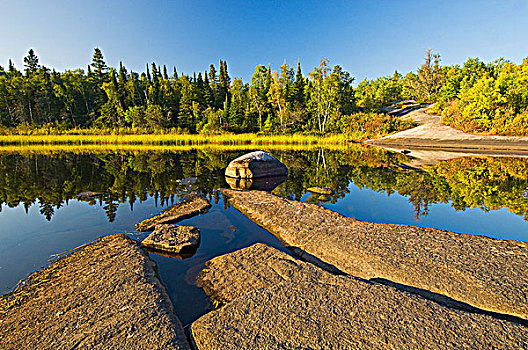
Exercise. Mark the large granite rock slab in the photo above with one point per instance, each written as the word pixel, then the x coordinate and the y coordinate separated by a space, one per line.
pixel 489 274
pixel 173 238
pixel 191 206
pixel 105 296
pixel 230 276
pixel 256 164
pixel 278 302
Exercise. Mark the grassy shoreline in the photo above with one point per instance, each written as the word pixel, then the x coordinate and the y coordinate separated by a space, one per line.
pixel 173 139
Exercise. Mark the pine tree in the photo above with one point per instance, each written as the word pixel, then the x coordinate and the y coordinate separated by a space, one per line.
pixel 31 62
pixel 99 65
pixel 298 86
pixel 11 67
pixel 149 78
pixel 208 92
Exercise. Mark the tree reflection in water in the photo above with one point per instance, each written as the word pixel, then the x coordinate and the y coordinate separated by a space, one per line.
pixel 52 179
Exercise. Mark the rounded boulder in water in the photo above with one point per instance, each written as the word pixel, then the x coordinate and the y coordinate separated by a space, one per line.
pixel 256 164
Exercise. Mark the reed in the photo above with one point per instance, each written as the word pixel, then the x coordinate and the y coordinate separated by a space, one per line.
pixel 109 148
pixel 174 139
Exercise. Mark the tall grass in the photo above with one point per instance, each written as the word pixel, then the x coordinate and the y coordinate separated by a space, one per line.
pixel 103 148
pixel 174 139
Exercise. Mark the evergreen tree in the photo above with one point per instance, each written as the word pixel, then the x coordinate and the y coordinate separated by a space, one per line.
pixel 30 62
pixel 11 67
pixel 165 75
pixel 208 92
pixel 99 65
pixel 298 86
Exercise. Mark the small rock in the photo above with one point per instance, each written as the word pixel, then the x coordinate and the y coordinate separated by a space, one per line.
pixel 256 164
pixel 321 190
pixel 173 238
pixel 89 194
pixel 324 198
pixel 191 206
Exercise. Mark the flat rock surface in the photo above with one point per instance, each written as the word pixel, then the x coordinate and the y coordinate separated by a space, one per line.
pixel 191 206
pixel 173 238
pixel 279 302
pixel 105 296
pixel 488 274
pixel 256 164
pixel 431 133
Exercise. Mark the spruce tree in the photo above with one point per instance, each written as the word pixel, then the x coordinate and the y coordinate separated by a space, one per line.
pixel 208 92
pixel 298 86
pixel 31 62
pixel 99 65
pixel 149 78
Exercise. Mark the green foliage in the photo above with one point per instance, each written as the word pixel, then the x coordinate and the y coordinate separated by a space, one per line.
pixel 490 98
pixel 108 98
pixel 475 97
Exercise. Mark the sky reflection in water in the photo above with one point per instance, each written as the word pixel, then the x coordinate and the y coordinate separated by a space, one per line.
pixel 136 186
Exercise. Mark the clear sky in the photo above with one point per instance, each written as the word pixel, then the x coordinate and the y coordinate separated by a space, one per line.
pixel 368 38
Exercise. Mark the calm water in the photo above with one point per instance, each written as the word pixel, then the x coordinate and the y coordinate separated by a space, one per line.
pixel 41 214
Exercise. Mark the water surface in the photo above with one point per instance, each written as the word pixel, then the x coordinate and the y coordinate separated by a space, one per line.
pixel 42 215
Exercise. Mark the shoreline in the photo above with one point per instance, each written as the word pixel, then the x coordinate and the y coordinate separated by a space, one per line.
pixel 431 136
pixel 107 294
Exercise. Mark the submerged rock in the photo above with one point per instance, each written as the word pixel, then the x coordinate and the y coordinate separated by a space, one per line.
pixel 275 301
pixel 89 194
pixel 321 190
pixel 260 183
pixel 191 206
pixel 173 238
pixel 489 274
pixel 256 164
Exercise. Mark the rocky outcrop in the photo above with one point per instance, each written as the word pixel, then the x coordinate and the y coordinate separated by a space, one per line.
pixel 488 274
pixel 256 164
pixel 278 302
pixel 173 238
pixel 191 206
pixel 105 296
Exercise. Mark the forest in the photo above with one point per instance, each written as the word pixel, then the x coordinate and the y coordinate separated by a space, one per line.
pixel 475 97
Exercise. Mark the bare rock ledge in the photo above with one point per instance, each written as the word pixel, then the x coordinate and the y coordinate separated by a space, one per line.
pixel 191 206
pixel 489 274
pixel 105 296
pixel 278 302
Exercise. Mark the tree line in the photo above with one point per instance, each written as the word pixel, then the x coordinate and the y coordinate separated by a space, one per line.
pixel 209 101
pixel 475 97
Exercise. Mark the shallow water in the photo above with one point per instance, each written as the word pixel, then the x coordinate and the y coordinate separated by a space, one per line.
pixel 41 214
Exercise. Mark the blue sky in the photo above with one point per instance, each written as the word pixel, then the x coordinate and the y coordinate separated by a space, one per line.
pixel 368 38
